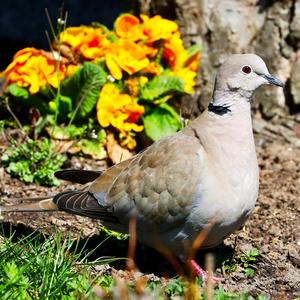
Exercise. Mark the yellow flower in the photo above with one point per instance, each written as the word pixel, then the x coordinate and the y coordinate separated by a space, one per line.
pixel 153 68
pixel 119 110
pixel 188 76
pixel 135 84
pixel 87 41
pixel 33 69
pixel 157 28
pixel 129 142
pixel 113 66
pixel 126 56
pixel 71 69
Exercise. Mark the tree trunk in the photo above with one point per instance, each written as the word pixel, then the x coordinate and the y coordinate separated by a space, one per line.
pixel 268 28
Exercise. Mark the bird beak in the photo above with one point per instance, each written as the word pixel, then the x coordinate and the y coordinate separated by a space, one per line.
pixel 273 80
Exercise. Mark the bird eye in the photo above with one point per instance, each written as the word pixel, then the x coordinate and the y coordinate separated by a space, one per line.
pixel 246 69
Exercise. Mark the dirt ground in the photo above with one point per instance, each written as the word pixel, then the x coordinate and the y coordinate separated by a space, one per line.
pixel 273 228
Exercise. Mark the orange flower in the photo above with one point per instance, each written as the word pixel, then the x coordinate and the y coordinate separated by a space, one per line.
pixel 174 52
pixel 157 28
pixel 128 26
pixel 148 49
pixel 74 36
pixel 153 68
pixel 87 41
pixel 126 56
pixel 33 69
pixel 183 65
pixel 193 61
pixel 119 110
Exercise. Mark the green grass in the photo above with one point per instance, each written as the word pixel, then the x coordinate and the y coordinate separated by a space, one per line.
pixel 33 267
pixel 55 268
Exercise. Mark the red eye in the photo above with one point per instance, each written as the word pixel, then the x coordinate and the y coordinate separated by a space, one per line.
pixel 246 69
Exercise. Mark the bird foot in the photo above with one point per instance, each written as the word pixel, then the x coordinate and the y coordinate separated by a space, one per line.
pixel 201 273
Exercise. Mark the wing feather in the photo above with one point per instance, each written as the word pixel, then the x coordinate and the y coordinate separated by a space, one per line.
pixel 83 203
pixel 160 183
pixel 77 175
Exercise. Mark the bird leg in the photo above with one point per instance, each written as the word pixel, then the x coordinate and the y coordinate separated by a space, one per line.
pixel 201 273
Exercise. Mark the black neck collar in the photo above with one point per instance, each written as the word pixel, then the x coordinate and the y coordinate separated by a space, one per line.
pixel 218 109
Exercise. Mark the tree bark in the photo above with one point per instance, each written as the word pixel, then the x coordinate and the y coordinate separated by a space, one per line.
pixel 268 28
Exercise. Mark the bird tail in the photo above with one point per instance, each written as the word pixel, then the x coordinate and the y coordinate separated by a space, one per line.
pixel 46 204
pixel 80 202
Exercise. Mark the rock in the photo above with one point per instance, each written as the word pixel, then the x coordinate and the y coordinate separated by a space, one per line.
pixel 258 125
pixel 295 25
pixel 295 80
pixel 294 256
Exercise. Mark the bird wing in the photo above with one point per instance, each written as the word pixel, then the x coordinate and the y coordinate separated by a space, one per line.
pixel 84 202
pixel 85 176
pixel 160 183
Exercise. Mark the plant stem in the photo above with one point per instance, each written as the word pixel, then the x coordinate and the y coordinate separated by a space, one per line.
pixel 14 117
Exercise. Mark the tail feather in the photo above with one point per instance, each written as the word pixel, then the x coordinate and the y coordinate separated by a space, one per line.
pixel 33 199
pixel 80 202
pixel 83 203
pixel 43 205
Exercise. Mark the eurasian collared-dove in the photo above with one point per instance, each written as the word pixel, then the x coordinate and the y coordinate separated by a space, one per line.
pixel 205 174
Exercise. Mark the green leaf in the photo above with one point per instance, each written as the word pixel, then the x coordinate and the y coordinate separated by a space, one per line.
pixel 93 148
pixel 160 86
pixel 83 87
pixel 253 252
pixel 249 272
pixel 18 91
pixel 192 53
pixel 192 50
pixel 64 107
pixel 101 135
pixel 38 101
pixel 111 36
pixel 161 121
pixel 66 133
pixel 96 24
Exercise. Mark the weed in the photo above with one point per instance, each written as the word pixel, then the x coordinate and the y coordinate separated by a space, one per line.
pixel 244 261
pixel 174 288
pixel 33 161
pixel 247 261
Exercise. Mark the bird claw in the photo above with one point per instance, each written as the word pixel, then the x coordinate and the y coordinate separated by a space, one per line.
pixel 204 275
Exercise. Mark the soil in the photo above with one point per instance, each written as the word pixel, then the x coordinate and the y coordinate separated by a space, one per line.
pixel 273 228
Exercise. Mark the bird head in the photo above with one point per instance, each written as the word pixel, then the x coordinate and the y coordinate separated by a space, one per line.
pixel 243 74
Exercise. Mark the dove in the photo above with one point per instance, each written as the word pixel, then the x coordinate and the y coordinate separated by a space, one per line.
pixel 205 176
